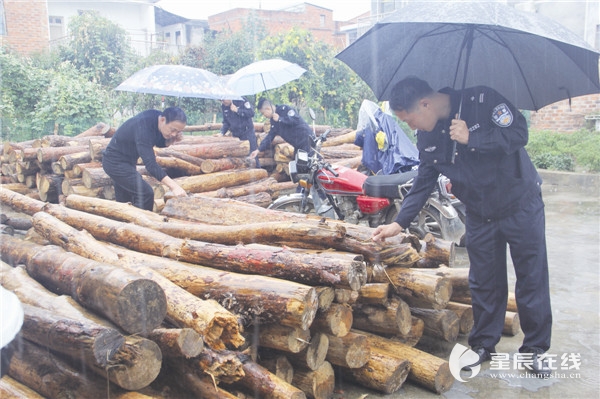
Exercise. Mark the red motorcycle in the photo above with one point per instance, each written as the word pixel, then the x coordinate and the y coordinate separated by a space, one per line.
pixel 342 193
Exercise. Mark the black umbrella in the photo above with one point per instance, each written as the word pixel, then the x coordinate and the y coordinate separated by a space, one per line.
pixel 529 59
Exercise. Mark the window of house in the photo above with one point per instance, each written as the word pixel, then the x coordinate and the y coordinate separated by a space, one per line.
pixel 178 38
pixel 56 27
pixel 322 19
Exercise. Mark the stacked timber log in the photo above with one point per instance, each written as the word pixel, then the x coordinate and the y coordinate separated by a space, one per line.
pixel 55 166
pixel 218 298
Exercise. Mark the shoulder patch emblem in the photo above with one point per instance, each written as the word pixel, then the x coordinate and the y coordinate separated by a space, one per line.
pixel 247 104
pixel 291 113
pixel 502 115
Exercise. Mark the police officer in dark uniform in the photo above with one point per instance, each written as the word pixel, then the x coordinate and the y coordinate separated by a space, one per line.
pixel 287 123
pixel 136 138
pixel 492 174
pixel 237 118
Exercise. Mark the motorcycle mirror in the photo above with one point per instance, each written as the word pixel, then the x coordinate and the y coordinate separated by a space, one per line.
pixel 311 112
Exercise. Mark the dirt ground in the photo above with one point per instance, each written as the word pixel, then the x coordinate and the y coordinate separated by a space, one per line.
pixel 573 240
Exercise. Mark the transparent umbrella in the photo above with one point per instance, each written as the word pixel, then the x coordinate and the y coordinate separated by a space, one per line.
pixel 178 81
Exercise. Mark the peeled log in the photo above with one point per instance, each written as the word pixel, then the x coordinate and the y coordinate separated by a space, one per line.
pixel 177 342
pixel 351 350
pixel 214 181
pixel 136 304
pixel 99 129
pixel 175 163
pixel 374 293
pixel 313 356
pixel 287 339
pixel 416 288
pixel 465 316
pixel 512 325
pixel 264 384
pixel 392 319
pixel 52 154
pixel 384 371
pixel 95 177
pixel 426 370
pixel 414 335
pixel 459 278
pixel 336 320
pixel 217 165
pixel 441 323
pixel 215 150
pixel 436 252
pixel 318 384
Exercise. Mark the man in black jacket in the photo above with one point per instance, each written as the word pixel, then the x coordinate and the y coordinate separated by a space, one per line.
pixel 237 118
pixel 287 123
pixel 492 174
pixel 136 138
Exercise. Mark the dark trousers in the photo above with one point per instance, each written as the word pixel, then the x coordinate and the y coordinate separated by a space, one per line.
pixel 129 185
pixel 486 242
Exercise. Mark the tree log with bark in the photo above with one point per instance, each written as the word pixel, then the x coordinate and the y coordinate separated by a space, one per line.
pixel 216 324
pixel 135 304
pixel 357 239
pixel 426 370
pixel 264 384
pixel 55 378
pixel 177 342
pixel 416 288
pixel 311 269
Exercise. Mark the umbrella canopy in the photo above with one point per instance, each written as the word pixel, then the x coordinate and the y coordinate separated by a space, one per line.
pixel 178 81
pixel 529 59
pixel 264 75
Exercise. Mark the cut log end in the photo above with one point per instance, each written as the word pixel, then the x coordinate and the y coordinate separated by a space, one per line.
pixel 443 380
pixel 142 306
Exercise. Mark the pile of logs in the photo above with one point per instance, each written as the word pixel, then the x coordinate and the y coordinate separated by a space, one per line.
pixel 212 295
pixel 211 165
pixel 258 303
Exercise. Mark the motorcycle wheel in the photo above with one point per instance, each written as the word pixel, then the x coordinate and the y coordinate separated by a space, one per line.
pixel 428 221
pixel 293 205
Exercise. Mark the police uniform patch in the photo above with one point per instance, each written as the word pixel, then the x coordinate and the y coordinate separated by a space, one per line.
pixel 502 115
pixel 247 104
pixel 291 113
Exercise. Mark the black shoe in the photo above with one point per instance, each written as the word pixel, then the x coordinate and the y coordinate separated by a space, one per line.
pixel 484 355
pixel 539 364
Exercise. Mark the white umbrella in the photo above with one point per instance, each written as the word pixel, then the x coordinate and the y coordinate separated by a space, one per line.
pixel 178 81
pixel 263 75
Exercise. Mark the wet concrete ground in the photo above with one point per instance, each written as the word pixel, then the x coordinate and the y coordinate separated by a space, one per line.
pixel 573 240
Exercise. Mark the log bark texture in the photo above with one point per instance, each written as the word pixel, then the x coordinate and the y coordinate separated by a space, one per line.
pixel 136 304
pixel 426 370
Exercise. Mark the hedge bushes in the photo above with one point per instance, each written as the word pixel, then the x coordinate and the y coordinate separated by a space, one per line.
pixel 578 151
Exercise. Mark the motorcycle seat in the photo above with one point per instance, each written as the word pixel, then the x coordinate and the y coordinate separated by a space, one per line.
pixel 387 186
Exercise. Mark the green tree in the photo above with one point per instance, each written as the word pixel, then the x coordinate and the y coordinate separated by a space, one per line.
pixel 328 85
pixel 98 48
pixel 70 103
pixel 22 85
